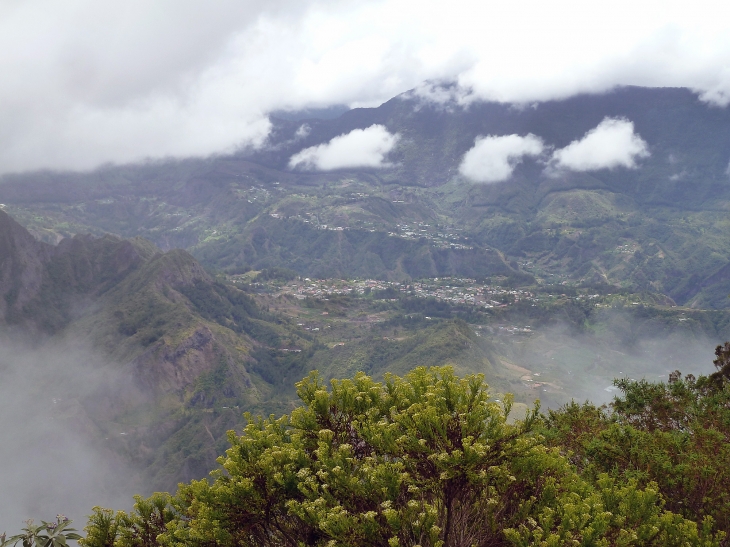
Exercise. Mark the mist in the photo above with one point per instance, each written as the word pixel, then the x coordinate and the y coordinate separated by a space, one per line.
pixel 358 148
pixel 493 159
pixel 566 364
pixel 54 456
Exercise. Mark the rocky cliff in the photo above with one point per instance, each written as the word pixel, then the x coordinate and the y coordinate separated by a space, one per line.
pixel 181 344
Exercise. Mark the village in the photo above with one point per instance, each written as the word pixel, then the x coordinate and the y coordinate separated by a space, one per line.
pixel 457 291
pixel 441 237
pixel 452 290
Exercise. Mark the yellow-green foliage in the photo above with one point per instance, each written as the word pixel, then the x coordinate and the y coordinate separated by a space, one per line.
pixel 138 528
pixel 428 459
pixel 672 435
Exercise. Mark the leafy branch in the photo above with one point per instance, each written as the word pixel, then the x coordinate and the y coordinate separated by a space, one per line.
pixel 46 534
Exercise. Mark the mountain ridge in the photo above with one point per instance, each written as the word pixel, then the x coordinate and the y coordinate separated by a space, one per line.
pixel 658 227
pixel 124 298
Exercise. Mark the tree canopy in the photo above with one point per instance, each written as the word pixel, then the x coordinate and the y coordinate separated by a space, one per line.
pixel 431 459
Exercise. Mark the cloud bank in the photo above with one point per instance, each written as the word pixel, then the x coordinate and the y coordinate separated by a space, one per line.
pixel 358 148
pixel 49 460
pixel 612 143
pixel 88 82
pixel 493 159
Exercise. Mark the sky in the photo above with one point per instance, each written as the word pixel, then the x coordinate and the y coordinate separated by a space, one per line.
pixel 89 82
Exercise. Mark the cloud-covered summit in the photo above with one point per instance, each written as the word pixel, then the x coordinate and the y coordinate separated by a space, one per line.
pixel 118 82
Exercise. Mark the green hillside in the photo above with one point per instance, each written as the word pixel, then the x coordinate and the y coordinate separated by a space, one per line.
pixel 192 352
pixel 660 227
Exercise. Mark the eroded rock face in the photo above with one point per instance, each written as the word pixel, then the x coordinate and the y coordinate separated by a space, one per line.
pixel 165 368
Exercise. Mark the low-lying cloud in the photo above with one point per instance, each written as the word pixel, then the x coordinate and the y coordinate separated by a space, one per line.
pixel 358 148
pixel 494 158
pixel 612 143
pixel 625 344
pixel 54 458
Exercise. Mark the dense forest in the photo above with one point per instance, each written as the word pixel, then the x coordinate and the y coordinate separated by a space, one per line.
pixel 432 459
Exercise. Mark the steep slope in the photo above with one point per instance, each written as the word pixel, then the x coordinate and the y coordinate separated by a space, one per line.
pixel 189 354
pixel 183 344
pixel 22 261
pixel 309 250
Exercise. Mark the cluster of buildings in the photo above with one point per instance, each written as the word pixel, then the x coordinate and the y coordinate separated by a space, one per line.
pixel 455 291
pixel 441 239
pixel 421 229
pixel 255 193
pixel 438 237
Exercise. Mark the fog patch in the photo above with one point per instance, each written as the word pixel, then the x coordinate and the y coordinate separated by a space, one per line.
pixel 564 364
pixel 612 143
pixel 302 131
pixel 718 93
pixel 442 95
pixel 358 148
pixel 54 455
pixel 494 158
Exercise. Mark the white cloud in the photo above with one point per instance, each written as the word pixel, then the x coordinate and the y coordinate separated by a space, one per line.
pixel 612 143
pixel 493 159
pixel 303 131
pixel 86 82
pixel 358 148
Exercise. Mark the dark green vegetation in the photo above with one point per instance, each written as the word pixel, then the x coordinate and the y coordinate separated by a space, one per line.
pixel 673 434
pixel 432 459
